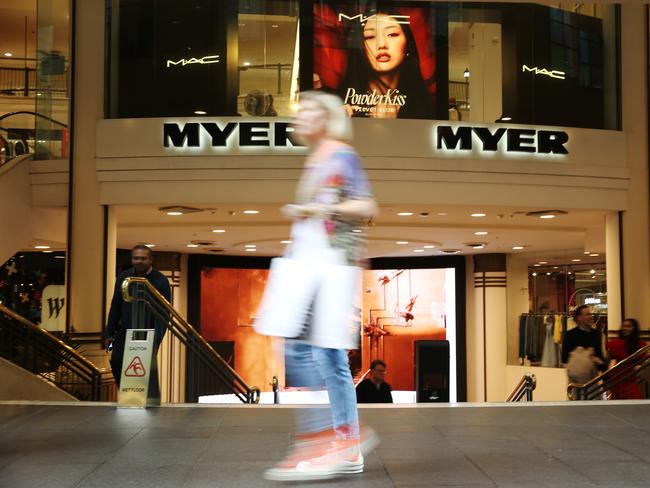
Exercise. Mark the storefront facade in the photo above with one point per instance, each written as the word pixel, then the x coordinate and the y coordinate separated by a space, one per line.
pixel 534 111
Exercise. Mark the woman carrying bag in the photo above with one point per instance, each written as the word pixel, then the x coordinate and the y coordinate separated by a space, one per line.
pixel 311 291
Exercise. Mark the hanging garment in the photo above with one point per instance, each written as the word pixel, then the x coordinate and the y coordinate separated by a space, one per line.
pixel 557 329
pixel 550 354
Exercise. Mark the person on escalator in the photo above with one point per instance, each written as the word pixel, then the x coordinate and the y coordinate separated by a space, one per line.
pixel 582 349
pixel 119 316
pixel 626 344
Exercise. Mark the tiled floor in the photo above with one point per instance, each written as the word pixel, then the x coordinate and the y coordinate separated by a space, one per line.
pixel 598 444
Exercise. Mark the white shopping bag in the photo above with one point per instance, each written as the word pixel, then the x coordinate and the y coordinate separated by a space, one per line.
pixel 287 297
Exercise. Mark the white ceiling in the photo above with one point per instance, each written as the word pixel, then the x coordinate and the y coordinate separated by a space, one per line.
pixel 557 241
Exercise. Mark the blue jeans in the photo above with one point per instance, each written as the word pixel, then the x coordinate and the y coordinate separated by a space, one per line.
pixel 317 368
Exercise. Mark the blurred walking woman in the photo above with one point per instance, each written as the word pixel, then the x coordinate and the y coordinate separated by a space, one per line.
pixel 333 200
pixel 619 349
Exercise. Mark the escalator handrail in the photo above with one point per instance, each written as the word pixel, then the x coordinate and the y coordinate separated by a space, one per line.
pixel 35 114
pixel 126 295
pixel 50 337
pixel 642 354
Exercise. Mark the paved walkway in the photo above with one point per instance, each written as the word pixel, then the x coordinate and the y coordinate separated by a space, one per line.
pixel 87 446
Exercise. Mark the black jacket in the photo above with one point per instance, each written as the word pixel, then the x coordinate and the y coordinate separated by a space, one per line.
pixel 367 392
pixel 119 317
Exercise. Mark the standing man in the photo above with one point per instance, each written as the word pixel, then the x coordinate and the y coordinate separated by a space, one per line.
pixel 119 317
pixel 374 389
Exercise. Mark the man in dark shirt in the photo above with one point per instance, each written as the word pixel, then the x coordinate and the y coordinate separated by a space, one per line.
pixel 374 389
pixel 119 317
pixel 586 335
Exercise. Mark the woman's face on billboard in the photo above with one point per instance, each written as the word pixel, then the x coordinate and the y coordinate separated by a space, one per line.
pixel 384 42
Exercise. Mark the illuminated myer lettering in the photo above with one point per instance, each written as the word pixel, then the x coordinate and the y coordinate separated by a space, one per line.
pixel 251 134
pixel 559 75
pixel 400 19
pixel 516 140
pixel 184 62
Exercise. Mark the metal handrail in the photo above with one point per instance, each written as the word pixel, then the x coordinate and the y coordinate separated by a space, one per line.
pixel 247 393
pixel 363 377
pixel 524 388
pixel 35 349
pixel 35 114
pixel 619 373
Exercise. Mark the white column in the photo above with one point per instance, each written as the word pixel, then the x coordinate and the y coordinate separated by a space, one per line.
pixel 613 253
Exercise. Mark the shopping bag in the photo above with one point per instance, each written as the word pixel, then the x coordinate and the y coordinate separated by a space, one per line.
pixel 288 295
pixel 334 324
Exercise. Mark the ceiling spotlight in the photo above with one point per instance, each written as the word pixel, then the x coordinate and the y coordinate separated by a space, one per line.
pixel 401 242
pixel 481 233
pixel 594 255
pixel 429 246
pixel 47 252
pixel 285 242
pixel 587 252
pixel 200 112
pixel 219 231
pixel 517 248
pixel 576 260
pixel 592 271
pixel 466 73
pixel 547 216
pixel 174 213
pixel 442 214
pixel 478 215
pixel 275 26
pixel 534 274
pixel 543 262
pixel 41 247
pixel 247 63
pixel 537 265
pixel 405 214
pixel 418 250
pixel 251 212
pixel 251 246
pixel 505 118
pixel 548 274
pixel 357 231
pixel 251 249
pixel 192 245
pixel 8 55
pixel 150 245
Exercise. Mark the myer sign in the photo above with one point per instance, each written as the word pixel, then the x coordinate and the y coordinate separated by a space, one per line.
pixel 486 141
pixel 228 135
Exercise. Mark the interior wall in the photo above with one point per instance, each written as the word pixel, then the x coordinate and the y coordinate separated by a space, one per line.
pixel 15 207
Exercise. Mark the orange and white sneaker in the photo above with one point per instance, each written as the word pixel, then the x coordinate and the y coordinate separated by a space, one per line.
pixel 306 447
pixel 342 458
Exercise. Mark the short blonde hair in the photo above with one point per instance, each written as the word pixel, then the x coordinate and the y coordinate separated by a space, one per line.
pixel 339 126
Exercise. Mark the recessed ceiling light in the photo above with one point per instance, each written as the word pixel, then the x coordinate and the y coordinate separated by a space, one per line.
pixel 478 246
pixel 547 216
pixel 47 252
pixel 555 267
pixel 401 242
pixel 478 215
pixel 174 213
pixel 594 255
pixel 592 271
pixel 251 249
pixel 429 246
pixel 534 274
pixel 253 246
pixel 537 265
pixel 576 260
pixel 285 242
pixel 506 118
pixel 543 262
pixel 59 257
pixel 247 63
pixel 517 248
pixel 587 252
pixel 8 55
pixel 442 214
pixel 570 272
pixel 418 250
pixel 218 231
pixel 481 233
pixel 150 245
pixel 251 212
pixel 200 112
pixel 41 247
pixel 405 214
pixel 357 231
pixel 192 245
pixel 275 26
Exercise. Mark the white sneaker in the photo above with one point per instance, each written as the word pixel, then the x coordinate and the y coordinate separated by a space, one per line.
pixel 330 465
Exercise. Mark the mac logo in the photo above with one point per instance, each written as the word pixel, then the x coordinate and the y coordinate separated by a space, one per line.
pixel 184 62
pixel 400 19
pixel 558 75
